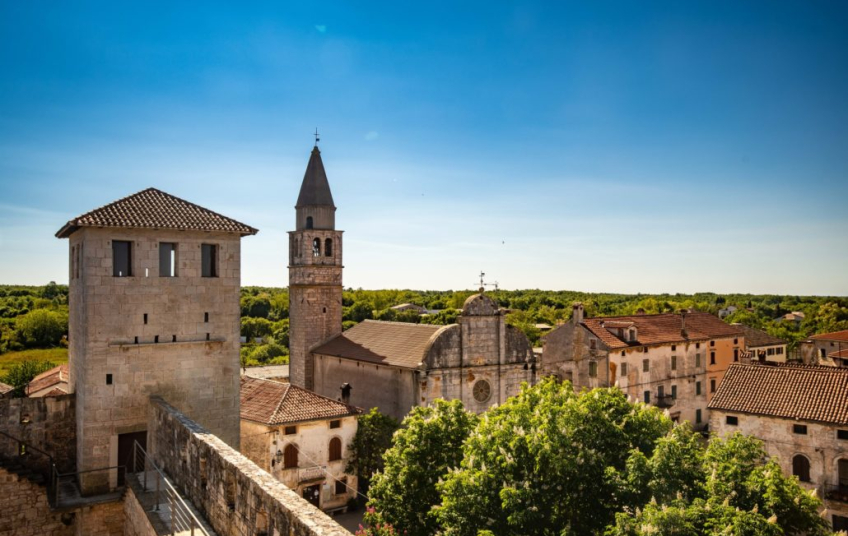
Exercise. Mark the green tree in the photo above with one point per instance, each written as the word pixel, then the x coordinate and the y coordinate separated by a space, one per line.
pixel 42 327
pixel 426 447
pixel 373 438
pixel 20 374
pixel 255 327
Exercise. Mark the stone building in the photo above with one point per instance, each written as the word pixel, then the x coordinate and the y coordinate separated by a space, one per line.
pixel 827 349
pixel 301 438
pixel 390 365
pixel 760 346
pixel 801 415
pixel 53 382
pixel 673 361
pixel 154 310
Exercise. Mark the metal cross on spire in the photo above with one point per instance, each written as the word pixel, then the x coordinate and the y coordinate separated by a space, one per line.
pixel 317 139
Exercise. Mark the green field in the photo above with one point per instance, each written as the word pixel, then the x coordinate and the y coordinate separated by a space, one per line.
pixel 55 355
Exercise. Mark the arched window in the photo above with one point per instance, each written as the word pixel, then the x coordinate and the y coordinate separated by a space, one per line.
pixel 335 449
pixel 801 467
pixel 328 247
pixel 290 456
pixel 296 247
pixel 316 247
pixel 309 222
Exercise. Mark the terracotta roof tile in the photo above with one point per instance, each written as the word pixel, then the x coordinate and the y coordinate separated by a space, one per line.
pixel 275 403
pixel 839 354
pixel 49 378
pixel 808 393
pixel 399 344
pixel 756 337
pixel 5 388
pixel 660 329
pixel 834 336
pixel 155 209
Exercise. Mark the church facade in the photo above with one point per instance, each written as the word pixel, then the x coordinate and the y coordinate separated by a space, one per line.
pixel 393 366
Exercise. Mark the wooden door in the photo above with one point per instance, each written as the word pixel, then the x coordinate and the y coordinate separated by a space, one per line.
pixel 313 494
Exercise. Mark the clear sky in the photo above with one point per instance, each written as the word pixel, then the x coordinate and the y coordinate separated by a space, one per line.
pixel 604 146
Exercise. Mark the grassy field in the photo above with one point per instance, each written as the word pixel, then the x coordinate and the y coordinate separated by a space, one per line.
pixel 56 355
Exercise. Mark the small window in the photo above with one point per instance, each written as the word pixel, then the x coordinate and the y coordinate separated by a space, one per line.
pixel 108 379
pixel 674 362
pixel 799 429
pixel 697 388
pixel 335 449
pixel 673 347
pixel 316 247
pixel 290 457
pixel 328 247
pixel 697 360
pixel 674 392
pixel 736 354
pixel 341 486
pixel 712 385
pixel 167 259
pixel 735 341
pixel 823 353
pixel 156 339
pixel 121 258
pixel 145 318
pixel 593 369
pixel 779 350
pixel 209 260
pixel 336 424
pixel 712 358
pixel 697 416
pixel 592 344
pixel 842 434
pixel 206 317
pixel 645 349
pixel 660 391
pixel 290 430
pixel 732 421
pixel 712 343
pixel 801 468
pixel 646 365
pixel 771 351
pixel 647 396
pixel 697 345
pixel 624 369
pixel 622 353
pixel 309 223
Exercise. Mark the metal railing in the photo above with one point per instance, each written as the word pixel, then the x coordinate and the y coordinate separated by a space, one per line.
pixel 836 493
pixel 78 488
pixel 168 504
pixel 15 451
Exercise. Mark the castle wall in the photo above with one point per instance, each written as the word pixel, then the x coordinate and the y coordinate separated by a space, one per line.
pixel 45 423
pixel 24 510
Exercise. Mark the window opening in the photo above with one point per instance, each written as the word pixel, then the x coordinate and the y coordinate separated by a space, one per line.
pixel 290 456
pixel 208 260
pixel 799 429
pixel 732 421
pixel 309 222
pixel 121 258
pixel 167 259
pixel 335 449
pixel 801 468
pixel 328 247
pixel 316 247
pixel 108 379
pixel 674 392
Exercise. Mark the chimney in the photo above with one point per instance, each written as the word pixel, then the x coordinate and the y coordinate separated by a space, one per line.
pixel 683 323
pixel 346 393
pixel 577 313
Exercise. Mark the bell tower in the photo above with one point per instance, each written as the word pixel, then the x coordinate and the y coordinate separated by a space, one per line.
pixel 315 272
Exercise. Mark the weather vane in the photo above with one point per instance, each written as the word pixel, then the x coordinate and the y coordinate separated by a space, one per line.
pixel 317 139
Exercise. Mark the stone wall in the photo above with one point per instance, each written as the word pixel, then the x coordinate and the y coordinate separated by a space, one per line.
pixel 24 510
pixel 136 522
pixel 45 423
pixel 105 519
pixel 233 494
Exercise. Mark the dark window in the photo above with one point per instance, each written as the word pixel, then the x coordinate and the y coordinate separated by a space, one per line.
pixel 712 358
pixel 779 350
pixel 593 369
pixel 660 391
pixel 697 388
pixel 697 416
pixel 842 434
pixel 645 349
pixel 622 353
pixel 799 429
pixel 296 247
pixel 290 430
pixel 336 424
pixel 697 345
pixel 335 449
pixel 674 362
pixel 647 396
pixel 156 338
pixel 290 456
pixel 316 247
pixel 209 260
pixel 674 392
pixel 206 317
pixel 712 343
pixel 771 351
pixel 839 523
pixel 145 318
pixel 208 336
pixel 328 247
pixel 108 379
pixel 801 468
pixel 173 338
pixel 673 347
pixel 592 344
pixel 341 486
pixel 309 222
pixel 735 341
pixel 167 259
pixel 712 385
pixel 732 421
pixel 697 360
pixel 736 354
pixel 624 369
pixel 646 365
pixel 121 258
pixel 823 353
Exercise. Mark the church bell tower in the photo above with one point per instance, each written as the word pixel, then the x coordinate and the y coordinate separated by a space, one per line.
pixel 315 272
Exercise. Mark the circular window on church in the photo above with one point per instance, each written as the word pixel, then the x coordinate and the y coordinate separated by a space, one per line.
pixel 482 391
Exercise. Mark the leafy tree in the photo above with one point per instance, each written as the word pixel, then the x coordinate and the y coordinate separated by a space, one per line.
pixel 426 447
pixel 253 328
pixel 20 374
pixel 373 437
pixel 42 327
pixel 358 312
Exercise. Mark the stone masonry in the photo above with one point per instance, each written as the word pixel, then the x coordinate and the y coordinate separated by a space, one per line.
pixel 45 423
pixel 24 510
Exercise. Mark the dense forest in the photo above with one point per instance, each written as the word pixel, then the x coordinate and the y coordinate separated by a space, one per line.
pixel 37 316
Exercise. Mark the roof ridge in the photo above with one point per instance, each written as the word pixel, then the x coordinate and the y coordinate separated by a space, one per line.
pixel 372 321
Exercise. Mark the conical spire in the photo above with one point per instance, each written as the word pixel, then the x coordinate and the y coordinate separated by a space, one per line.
pixel 315 190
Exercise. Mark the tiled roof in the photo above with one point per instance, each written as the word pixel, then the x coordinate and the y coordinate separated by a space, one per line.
pixel 315 189
pixel 756 337
pixel 807 393
pixel 5 388
pixel 835 336
pixel 50 378
pixel 839 354
pixel 155 209
pixel 56 391
pixel 661 329
pixel 399 344
pixel 275 403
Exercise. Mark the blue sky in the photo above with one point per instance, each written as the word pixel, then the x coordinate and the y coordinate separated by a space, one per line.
pixel 601 146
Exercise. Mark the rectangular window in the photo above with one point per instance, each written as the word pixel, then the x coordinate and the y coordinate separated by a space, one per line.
pixel 108 379
pixel 593 369
pixel 712 358
pixel 336 424
pixel 121 258
pixel 697 345
pixel 341 486
pixel 697 360
pixel 674 362
pixel 674 392
pixel 697 416
pixel 799 429
pixel 779 350
pixel 712 343
pixel 209 260
pixel 624 369
pixel 206 317
pixel 167 259
pixel 660 391
pixel 736 354
pixel 647 395
pixel 735 341
pixel 645 349
pixel 732 421
pixel 771 351
pixel 673 347
pixel 842 434
pixel 592 344
pixel 712 385
pixel 697 388
pixel 646 365
pixel 290 430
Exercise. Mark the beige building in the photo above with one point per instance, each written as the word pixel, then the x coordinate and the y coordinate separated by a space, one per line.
pixel 154 310
pixel 53 382
pixel 827 349
pixel 760 346
pixel 673 361
pixel 801 415
pixel 301 438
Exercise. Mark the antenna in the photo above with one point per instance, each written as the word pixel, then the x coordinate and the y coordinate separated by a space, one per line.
pixel 482 275
pixel 317 139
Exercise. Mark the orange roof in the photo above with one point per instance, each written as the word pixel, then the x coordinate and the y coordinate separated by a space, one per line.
pixel 5 388
pixel 660 329
pixel 275 403
pixel 839 354
pixel 50 378
pixel 399 344
pixel 807 393
pixel 155 209
pixel 834 336
pixel 755 338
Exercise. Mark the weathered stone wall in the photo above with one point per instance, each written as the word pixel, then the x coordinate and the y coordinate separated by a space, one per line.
pixel 24 510
pixel 106 519
pixel 196 360
pixel 45 423
pixel 817 352
pixel 233 494
pixel 136 522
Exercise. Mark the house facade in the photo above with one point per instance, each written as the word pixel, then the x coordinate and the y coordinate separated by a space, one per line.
pixel 762 347
pixel 301 438
pixel 800 414
pixel 827 349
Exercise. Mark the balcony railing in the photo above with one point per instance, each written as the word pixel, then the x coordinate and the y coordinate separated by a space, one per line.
pixel 836 493
pixel 664 401
pixel 311 472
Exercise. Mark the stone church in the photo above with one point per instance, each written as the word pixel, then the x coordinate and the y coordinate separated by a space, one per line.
pixel 393 366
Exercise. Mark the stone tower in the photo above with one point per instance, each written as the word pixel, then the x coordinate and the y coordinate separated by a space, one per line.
pixel 315 272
